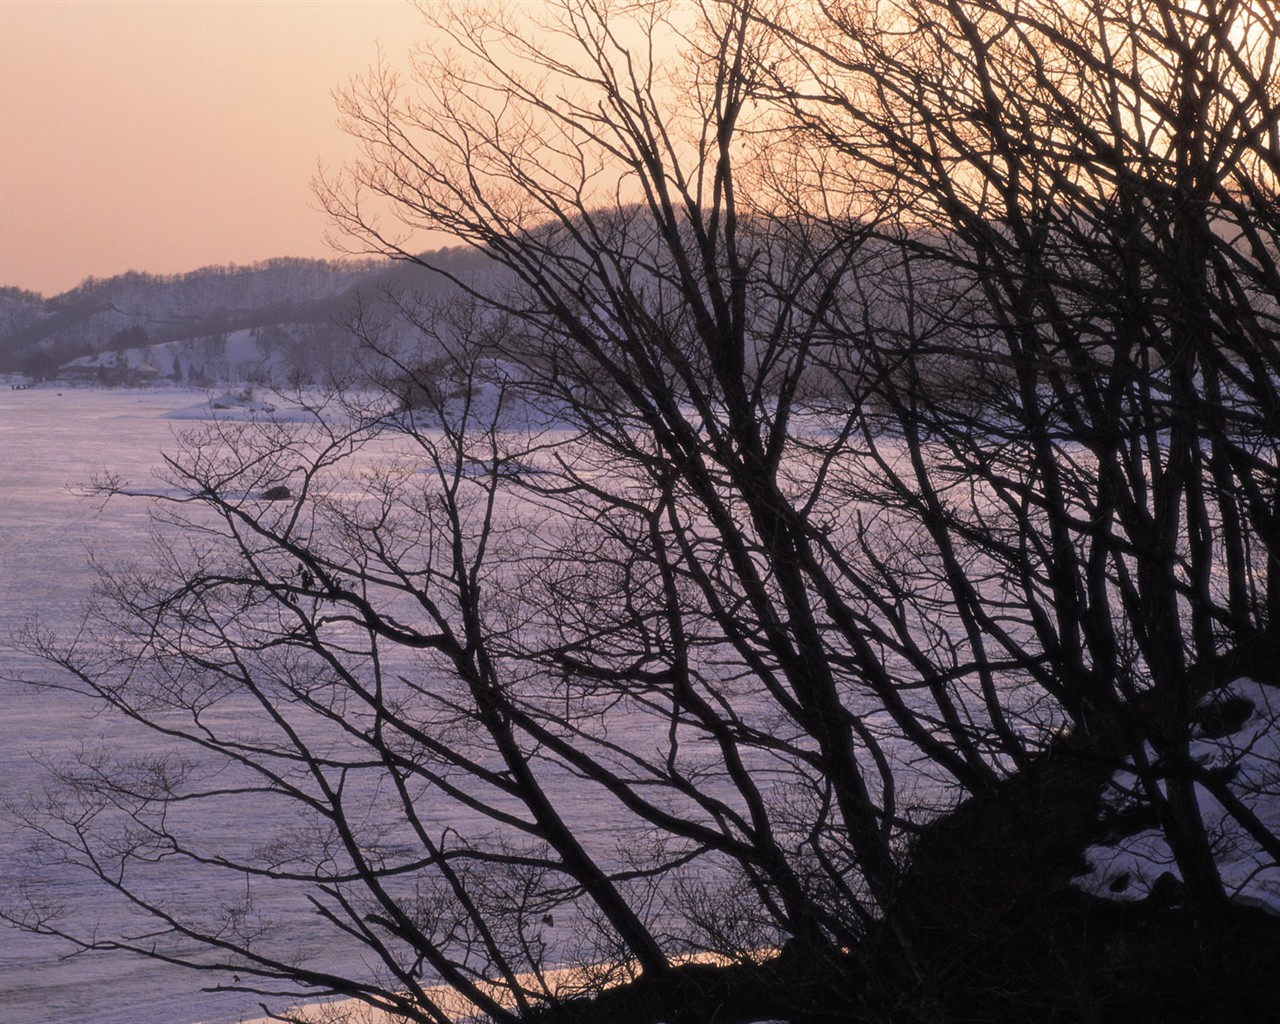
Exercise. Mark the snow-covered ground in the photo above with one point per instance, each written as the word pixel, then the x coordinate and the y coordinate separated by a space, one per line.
pixel 230 357
pixel 1248 755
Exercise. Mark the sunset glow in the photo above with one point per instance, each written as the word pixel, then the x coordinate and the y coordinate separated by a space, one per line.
pixel 164 136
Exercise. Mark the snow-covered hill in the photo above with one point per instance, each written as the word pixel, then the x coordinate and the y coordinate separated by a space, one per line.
pixel 283 320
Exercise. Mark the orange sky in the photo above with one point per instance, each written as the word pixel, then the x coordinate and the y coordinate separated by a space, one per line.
pixel 165 135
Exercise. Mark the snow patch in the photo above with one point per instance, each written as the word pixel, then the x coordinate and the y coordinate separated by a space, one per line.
pixel 1248 757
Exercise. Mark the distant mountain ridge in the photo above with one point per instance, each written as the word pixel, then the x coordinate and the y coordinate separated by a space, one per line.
pixel 204 325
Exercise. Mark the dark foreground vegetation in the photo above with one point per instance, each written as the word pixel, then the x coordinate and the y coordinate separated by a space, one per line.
pixel 864 446
pixel 987 925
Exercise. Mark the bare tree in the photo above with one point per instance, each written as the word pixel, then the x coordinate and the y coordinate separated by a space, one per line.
pixel 854 403
pixel 1086 191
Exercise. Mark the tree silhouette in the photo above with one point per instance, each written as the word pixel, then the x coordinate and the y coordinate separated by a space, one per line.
pixel 855 403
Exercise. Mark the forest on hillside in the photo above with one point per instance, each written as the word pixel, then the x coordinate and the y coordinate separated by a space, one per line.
pixel 292 316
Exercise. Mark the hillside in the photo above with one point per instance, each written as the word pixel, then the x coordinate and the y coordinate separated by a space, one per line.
pixel 283 319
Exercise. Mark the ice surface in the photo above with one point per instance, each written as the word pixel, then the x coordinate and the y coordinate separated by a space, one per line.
pixel 51 440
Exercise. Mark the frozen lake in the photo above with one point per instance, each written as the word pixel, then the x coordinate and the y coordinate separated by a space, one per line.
pixel 50 441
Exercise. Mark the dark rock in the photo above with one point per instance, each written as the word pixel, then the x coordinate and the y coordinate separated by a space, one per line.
pixel 1167 891
pixel 1223 717
pixel 1123 822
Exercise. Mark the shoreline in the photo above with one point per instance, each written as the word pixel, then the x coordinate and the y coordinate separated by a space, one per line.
pixel 566 982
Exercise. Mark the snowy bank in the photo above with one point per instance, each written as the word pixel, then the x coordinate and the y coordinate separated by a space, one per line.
pixel 1238 741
